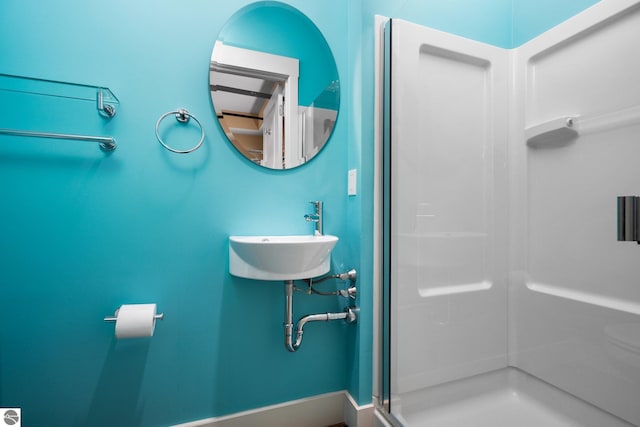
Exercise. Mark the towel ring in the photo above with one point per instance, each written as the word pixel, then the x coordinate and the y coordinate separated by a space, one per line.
pixel 182 116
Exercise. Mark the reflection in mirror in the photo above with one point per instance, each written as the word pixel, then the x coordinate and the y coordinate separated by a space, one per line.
pixel 274 85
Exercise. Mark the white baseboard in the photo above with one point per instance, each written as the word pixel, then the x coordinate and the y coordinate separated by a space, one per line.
pixel 355 415
pixel 317 411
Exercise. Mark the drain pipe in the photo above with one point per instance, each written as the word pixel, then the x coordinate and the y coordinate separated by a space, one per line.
pixel 350 316
pixel 288 315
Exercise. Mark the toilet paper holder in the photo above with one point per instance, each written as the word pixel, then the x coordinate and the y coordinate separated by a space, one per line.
pixel 113 318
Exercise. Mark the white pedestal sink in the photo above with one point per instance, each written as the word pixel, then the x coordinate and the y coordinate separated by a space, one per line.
pixel 280 257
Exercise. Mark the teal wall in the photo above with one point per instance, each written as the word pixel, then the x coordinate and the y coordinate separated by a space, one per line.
pixel 82 232
pixel 532 18
pixel 485 21
pixel 504 23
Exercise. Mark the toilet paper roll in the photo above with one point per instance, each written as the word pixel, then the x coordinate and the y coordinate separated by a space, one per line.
pixel 135 320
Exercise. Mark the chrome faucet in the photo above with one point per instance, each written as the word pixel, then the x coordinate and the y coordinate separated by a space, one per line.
pixel 316 217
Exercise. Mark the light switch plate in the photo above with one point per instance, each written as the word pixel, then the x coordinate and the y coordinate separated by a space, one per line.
pixel 352 182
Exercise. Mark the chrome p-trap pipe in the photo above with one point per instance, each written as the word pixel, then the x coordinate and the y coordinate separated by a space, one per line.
pixel 349 315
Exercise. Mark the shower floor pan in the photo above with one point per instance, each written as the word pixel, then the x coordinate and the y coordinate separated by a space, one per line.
pixel 504 398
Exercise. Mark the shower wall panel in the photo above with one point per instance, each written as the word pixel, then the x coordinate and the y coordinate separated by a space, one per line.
pixel 575 308
pixel 448 155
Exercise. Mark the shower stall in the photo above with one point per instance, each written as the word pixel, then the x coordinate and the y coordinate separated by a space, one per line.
pixel 505 296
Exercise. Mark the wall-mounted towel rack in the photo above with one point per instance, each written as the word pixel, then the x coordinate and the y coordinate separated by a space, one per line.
pixel 104 99
pixel 107 143
pixel 182 116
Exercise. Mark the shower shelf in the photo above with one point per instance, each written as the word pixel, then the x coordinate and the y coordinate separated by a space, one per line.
pixel 553 132
pixel 104 99
pixel 562 130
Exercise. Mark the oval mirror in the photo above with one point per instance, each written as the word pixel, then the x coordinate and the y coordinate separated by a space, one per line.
pixel 274 85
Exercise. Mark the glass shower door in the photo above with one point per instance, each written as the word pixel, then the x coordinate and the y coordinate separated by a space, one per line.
pixel 444 199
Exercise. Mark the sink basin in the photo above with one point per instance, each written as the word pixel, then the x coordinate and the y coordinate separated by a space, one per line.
pixel 280 257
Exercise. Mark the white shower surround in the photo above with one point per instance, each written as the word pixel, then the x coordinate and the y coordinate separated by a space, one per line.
pixel 575 295
pixel 507 254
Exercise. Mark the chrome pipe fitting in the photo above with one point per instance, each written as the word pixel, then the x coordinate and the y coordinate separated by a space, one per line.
pixel 349 293
pixel 352 314
pixel 351 275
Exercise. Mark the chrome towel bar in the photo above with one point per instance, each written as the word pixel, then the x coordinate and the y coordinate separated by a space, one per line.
pixel 107 143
